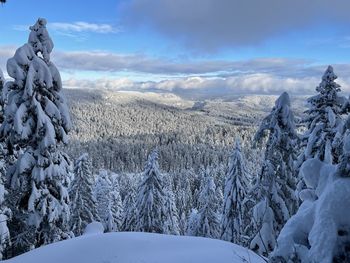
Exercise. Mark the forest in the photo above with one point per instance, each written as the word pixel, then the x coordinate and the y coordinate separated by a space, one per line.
pixel 276 182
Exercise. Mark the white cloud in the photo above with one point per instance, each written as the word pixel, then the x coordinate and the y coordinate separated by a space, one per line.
pixel 189 78
pixel 76 30
pixel 202 87
pixel 115 62
pixel 84 27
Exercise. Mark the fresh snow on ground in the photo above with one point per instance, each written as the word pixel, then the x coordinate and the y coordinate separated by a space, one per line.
pixel 133 247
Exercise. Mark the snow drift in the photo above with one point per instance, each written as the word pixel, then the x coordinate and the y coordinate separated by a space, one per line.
pixel 132 247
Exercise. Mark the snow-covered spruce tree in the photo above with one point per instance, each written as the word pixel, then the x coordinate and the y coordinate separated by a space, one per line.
pixel 37 121
pixel 323 121
pixel 320 230
pixel 5 216
pixel 103 194
pixel 234 215
pixel 274 188
pixel 183 197
pixel 5 212
pixel 208 222
pixel 193 223
pixel 150 201
pixel 171 224
pixel 2 80
pixel 116 204
pixel 3 95
pixel 83 202
pixel 130 213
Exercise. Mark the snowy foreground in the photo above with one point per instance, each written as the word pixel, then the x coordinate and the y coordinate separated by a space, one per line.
pixel 131 247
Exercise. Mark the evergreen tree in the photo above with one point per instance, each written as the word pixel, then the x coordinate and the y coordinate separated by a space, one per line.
pixel 234 215
pixel 275 186
pixel 171 224
pixel 323 121
pixel 318 232
pixel 314 233
pixel 130 212
pixel 193 223
pixel 116 204
pixel 2 96
pixel 183 198
pixel 103 189
pixel 5 212
pixel 208 222
pixel 5 216
pixel 2 80
pixel 150 201
pixel 37 121
pixel 182 224
pixel 84 207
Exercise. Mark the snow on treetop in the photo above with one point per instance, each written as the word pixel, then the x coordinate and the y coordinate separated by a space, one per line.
pixel 152 158
pixel 283 100
pixel 83 157
pixel 40 40
pixel 328 83
pixel 329 74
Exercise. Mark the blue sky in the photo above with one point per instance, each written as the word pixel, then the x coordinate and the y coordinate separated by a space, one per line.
pixel 233 46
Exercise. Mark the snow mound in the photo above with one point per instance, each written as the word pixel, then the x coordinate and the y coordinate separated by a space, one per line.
pixel 132 247
pixel 94 228
pixel 319 231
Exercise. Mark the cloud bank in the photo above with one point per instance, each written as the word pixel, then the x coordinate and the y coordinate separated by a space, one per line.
pixel 201 87
pixel 114 62
pixel 206 78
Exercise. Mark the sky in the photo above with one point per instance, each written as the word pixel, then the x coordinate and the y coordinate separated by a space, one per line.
pixel 213 47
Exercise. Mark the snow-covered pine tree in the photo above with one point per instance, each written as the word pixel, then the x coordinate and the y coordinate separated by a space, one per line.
pixel 104 203
pixel 130 212
pixel 2 85
pixel 150 201
pixel 183 198
pixel 37 121
pixel 323 121
pixel 274 188
pixel 116 204
pixel 5 216
pixel 319 231
pixel 208 222
pixel 83 202
pixel 171 224
pixel 234 215
pixel 193 223
pixel 5 212
pixel 2 80
pixel 182 223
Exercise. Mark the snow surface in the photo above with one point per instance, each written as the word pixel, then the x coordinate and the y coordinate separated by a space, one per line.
pixel 133 247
